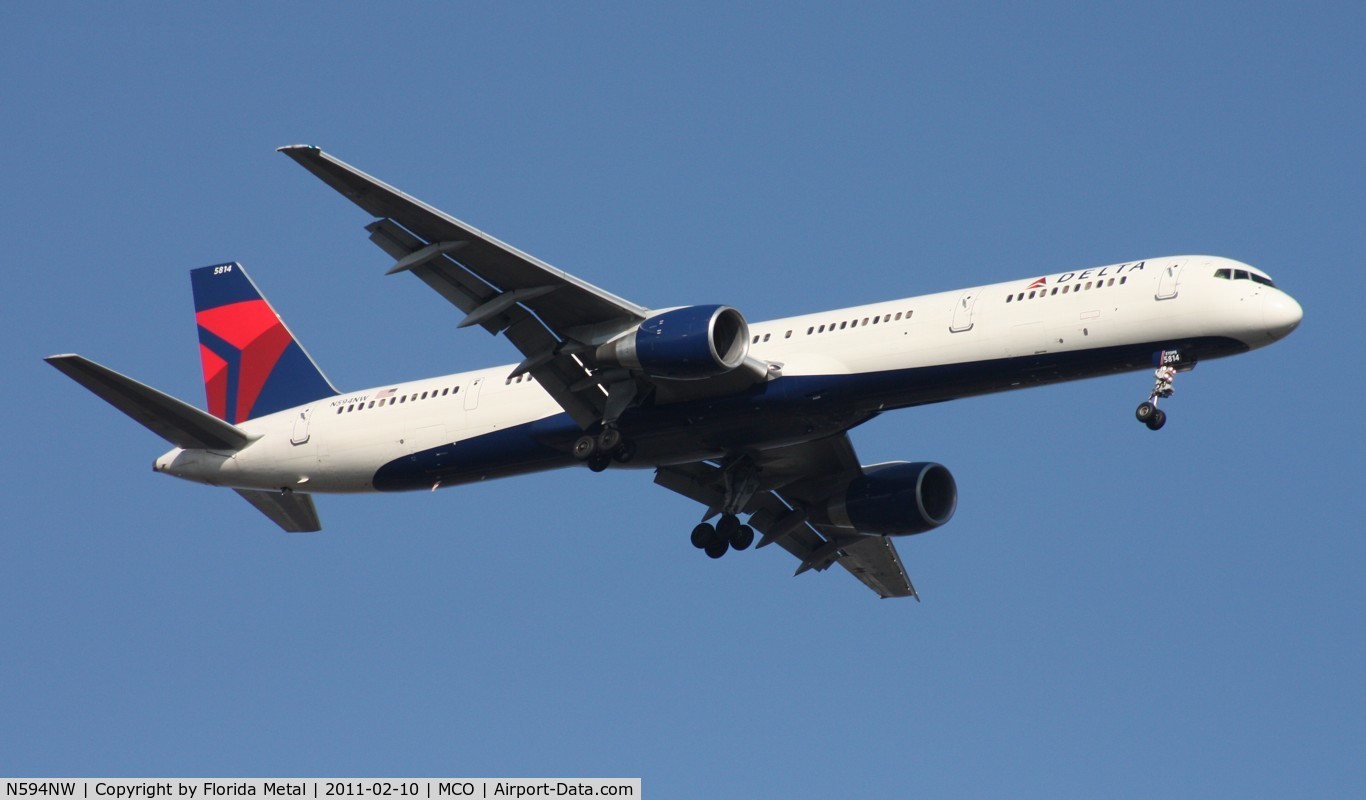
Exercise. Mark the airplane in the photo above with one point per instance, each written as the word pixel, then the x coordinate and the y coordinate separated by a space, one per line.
pixel 751 420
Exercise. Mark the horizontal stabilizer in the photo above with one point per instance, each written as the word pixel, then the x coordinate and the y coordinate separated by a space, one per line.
pixel 177 422
pixel 293 512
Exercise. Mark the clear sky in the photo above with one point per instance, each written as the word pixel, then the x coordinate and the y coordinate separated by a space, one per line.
pixel 1111 613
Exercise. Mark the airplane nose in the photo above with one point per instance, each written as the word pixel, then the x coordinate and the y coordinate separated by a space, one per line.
pixel 1281 314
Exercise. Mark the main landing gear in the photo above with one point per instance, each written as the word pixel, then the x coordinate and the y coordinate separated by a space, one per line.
pixel 601 450
pixel 1147 412
pixel 740 480
pixel 727 533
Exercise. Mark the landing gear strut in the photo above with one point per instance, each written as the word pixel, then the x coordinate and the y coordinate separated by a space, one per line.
pixel 1147 412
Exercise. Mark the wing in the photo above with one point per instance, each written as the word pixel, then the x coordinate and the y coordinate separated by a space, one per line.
pixel 790 480
pixel 555 319
pixel 546 313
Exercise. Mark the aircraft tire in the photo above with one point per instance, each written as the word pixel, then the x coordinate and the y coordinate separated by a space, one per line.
pixel 703 535
pixel 717 549
pixel 742 538
pixel 726 526
pixel 624 452
pixel 609 439
pixel 599 462
pixel 585 447
pixel 1145 411
pixel 1157 420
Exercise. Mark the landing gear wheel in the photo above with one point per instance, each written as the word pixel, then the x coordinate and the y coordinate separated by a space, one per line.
pixel 1157 420
pixel 1145 412
pixel 609 439
pixel 624 452
pixel 717 549
pixel 585 447
pixel 726 526
pixel 599 462
pixel 703 535
pixel 742 538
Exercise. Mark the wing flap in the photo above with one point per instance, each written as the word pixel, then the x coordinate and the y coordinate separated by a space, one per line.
pixel 176 421
pixel 875 562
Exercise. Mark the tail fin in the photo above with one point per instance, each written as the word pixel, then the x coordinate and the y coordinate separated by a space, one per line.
pixel 252 364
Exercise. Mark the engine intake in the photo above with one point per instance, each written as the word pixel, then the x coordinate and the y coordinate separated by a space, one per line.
pixel 896 499
pixel 685 344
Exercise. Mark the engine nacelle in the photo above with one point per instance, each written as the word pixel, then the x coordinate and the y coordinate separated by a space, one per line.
pixel 896 499
pixel 685 344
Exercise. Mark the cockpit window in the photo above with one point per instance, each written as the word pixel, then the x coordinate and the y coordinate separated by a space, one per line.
pixel 1243 275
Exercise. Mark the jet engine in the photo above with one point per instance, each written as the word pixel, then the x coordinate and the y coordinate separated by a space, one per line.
pixel 685 344
pixel 896 499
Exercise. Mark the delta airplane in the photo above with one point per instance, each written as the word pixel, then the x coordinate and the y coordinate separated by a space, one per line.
pixel 750 420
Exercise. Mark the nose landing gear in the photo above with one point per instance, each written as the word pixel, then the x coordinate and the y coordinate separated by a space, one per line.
pixel 1147 412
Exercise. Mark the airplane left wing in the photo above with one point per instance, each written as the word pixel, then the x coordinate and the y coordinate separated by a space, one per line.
pixel 546 313
pixel 791 480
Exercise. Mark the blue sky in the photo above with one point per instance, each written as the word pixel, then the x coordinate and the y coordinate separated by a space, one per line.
pixel 1111 612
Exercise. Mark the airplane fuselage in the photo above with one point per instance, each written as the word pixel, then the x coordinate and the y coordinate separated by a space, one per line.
pixel 828 371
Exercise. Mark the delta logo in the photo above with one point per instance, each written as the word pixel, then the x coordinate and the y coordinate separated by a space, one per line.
pixel 1087 274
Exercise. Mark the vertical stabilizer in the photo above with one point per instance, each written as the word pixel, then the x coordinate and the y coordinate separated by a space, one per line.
pixel 252 364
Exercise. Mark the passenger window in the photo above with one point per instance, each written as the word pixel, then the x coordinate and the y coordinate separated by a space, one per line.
pixel 1124 280
pixel 766 335
pixel 789 335
pixel 810 331
pixel 898 315
pixel 424 396
pixel 1055 291
pixel 844 325
pixel 1010 297
pixel 350 408
pixel 1065 288
pixel 340 409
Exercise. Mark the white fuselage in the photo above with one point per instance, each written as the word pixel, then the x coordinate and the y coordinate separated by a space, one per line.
pixel 1005 335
